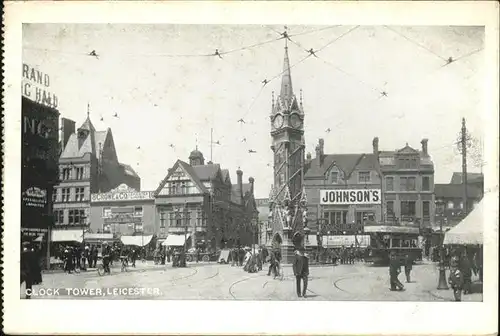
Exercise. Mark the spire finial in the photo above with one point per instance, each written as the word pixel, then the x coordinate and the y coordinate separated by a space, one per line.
pixel 301 97
pixel 88 110
pixel 286 79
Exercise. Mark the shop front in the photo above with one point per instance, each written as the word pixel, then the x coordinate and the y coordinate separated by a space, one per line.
pixel 39 153
pixel 123 212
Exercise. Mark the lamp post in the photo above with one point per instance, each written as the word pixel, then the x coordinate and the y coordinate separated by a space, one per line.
pixel 442 271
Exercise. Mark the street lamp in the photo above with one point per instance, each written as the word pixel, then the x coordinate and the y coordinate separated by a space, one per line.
pixel 442 271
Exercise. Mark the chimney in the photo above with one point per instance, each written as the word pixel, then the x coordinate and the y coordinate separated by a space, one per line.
pixel 239 173
pixel 375 146
pixel 251 180
pixel 67 128
pixel 424 147
pixel 321 151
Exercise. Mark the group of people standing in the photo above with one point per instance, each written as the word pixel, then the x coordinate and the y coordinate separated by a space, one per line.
pixel 463 263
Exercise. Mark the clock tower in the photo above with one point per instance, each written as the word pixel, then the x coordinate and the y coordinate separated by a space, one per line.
pixel 288 216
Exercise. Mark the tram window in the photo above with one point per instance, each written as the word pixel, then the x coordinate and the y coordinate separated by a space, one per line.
pixel 396 242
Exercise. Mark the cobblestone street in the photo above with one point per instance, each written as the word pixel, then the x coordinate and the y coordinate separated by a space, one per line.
pixel 224 282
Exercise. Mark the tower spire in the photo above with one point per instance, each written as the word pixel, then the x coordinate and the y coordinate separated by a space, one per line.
pixel 286 79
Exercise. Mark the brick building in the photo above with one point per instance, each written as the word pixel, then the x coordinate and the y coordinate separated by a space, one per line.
pixel 408 185
pixel 449 198
pixel 198 201
pixel 123 211
pixel 88 164
pixel 330 177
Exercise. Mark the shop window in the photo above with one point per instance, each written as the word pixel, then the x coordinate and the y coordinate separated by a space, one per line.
pixel 362 216
pixel 65 192
pixel 451 205
pixel 364 177
pixel 336 217
pixel 389 183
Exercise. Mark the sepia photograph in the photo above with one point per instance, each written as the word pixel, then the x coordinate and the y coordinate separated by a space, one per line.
pixel 271 162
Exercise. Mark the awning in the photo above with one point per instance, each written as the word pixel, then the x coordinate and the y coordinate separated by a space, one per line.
pixel 136 240
pixel 175 240
pixel 391 229
pixel 313 240
pixel 97 237
pixel 67 236
pixel 469 231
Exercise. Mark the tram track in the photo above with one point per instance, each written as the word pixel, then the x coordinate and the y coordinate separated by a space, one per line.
pixel 240 281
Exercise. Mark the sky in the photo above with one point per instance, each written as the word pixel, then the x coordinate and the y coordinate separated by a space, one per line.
pixel 168 89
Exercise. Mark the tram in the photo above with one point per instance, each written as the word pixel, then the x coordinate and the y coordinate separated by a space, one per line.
pixel 392 239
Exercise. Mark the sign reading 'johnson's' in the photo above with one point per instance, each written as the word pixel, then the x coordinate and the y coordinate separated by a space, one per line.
pixel 350 196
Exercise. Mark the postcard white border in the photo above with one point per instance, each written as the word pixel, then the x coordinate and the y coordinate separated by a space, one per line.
pixel 343 318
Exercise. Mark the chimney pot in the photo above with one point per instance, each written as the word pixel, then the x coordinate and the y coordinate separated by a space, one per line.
pixel 375 146
pixel 424 143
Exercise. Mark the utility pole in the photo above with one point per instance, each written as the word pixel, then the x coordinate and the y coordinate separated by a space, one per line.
pixel 463 143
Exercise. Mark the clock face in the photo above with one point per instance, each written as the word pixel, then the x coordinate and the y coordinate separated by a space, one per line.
pixel 295 121
pixel 278 121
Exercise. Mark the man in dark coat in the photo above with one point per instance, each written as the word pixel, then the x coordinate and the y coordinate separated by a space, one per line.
pixel 394 270
pixel 301 270
pixel 466 269
pixel 408 267
pixel 31 272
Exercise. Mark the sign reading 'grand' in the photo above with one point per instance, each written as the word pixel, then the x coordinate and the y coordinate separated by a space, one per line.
pixel 350 196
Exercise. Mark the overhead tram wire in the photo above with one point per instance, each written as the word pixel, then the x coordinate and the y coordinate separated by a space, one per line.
pixel 416 43
pixel 285 35
pixel 269 81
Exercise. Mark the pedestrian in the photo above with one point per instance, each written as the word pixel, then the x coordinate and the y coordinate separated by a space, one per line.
pixel 68 260
pixel 85 258
pixel 95 254
pixel 272 264
pixel 106 257
pixel 163 255
pixel 301 271
pixel 408 267
pixel 466 269
pixel 133 256
pixel 394 270
pixel 234 257
pixel 455 279
pixel 197 254
pixel 169 253
pixel 31 272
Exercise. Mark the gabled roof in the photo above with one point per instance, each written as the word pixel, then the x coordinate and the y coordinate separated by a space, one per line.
pixel 206 172
pixel 191 174
pixel 456 191
pixel 407 150
pixel 346 162
pixel 89 145
pixel 456 178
